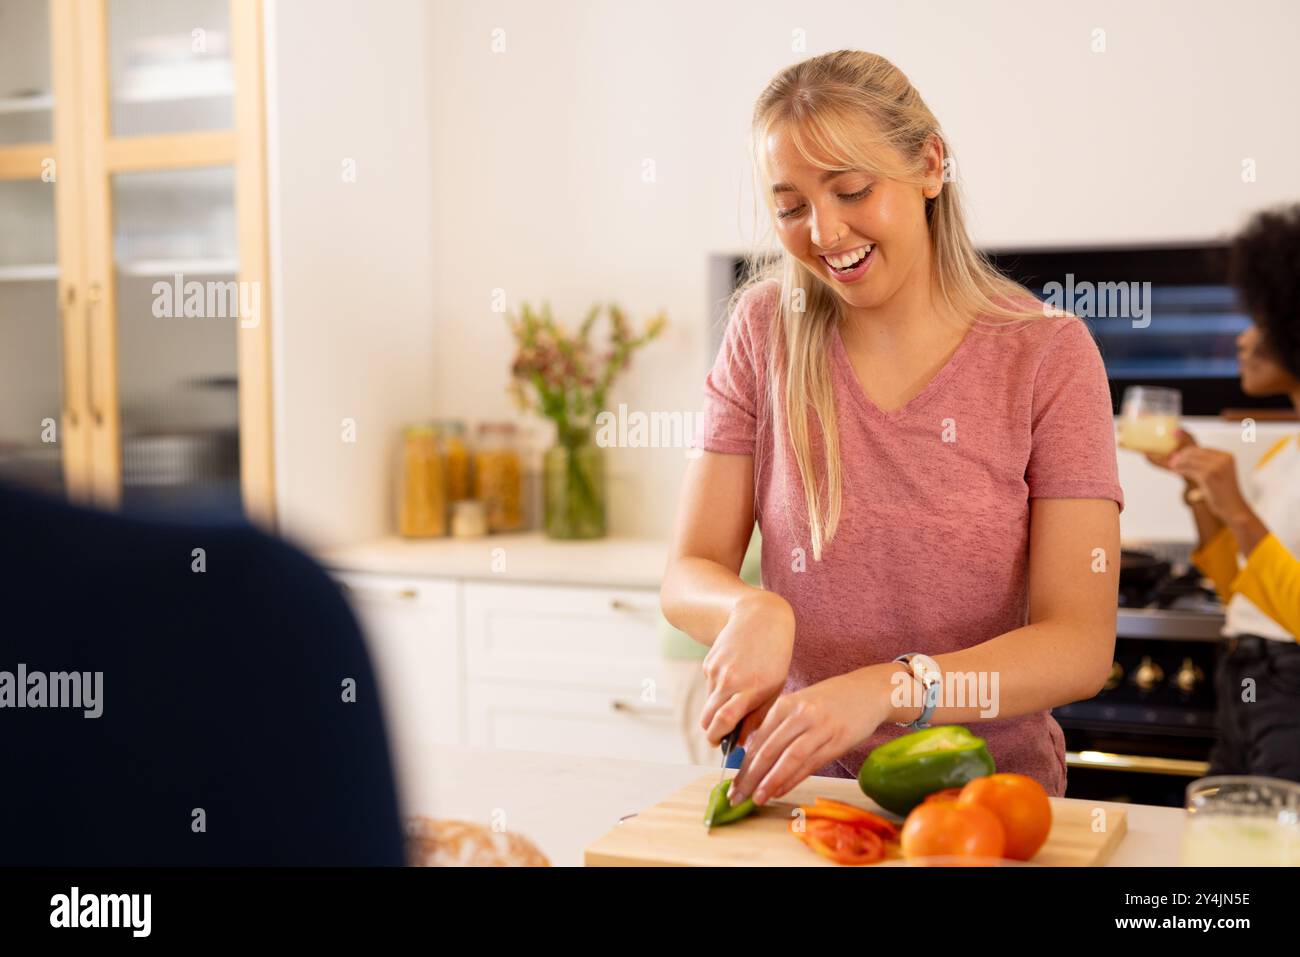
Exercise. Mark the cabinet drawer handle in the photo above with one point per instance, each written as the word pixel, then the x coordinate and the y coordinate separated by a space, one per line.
pixel 65 306
pixel 628 707
pixel 406 594
pixel 92 308
pixel 618 604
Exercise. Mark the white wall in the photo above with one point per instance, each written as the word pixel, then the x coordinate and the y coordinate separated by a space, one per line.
pixel 1153 498
pixel 351 261
pixel 536 188
pixel 522 171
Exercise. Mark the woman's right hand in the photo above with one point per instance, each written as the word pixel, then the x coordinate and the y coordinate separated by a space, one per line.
pixel 747 664
pixel 1161 460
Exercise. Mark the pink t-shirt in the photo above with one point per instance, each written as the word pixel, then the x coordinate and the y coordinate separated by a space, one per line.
pixel 931 553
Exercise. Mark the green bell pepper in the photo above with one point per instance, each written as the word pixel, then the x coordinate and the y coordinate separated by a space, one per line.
pixel 720 810
pixel 900 773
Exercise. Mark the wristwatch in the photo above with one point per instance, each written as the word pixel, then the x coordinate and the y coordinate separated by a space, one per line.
pixel 930 681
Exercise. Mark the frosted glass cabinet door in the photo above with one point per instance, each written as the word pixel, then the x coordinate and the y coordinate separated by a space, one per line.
pixel 179 309
pixel 169 66
pixel 26 93
pixel 31 370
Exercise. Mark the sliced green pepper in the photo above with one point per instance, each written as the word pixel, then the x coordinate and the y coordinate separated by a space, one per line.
pixel 899 774
pixel 720 810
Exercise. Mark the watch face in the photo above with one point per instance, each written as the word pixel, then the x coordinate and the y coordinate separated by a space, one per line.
pixel 924 668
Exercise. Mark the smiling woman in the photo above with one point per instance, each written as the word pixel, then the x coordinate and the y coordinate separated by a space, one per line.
pixel 888 404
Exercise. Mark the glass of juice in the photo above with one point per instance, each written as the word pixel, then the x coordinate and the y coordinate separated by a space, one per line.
pixel 1148 419
pixel 1241 821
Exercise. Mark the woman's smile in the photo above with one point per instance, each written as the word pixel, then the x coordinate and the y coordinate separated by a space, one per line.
pixel 851 265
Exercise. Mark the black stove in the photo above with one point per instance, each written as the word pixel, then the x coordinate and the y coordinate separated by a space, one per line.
pixel 1148 734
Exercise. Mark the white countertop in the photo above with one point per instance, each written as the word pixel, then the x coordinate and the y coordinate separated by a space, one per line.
pixel 529 557
pixel 562 803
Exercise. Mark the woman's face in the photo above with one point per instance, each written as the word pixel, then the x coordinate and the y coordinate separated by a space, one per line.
pixel 1261 374
pixel 844 214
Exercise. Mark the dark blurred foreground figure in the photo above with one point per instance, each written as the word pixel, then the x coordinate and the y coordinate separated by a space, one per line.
pixel 238 720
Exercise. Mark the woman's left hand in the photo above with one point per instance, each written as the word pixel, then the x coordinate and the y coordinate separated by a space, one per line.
pixel 1215 474
pixel 803 731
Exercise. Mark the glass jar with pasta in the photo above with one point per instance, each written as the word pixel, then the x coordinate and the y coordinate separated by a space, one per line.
pixel 455 459
pixel 422 497
pixel 498 475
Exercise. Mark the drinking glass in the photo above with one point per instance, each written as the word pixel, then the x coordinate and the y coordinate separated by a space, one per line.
pixel 1241 821
pixel 1148 419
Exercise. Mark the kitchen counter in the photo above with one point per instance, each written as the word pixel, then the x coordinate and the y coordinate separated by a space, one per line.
pixel 529 557
pixel 622 563
pixel 562 803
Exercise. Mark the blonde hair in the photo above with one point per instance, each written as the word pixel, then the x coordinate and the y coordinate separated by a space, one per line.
pixel 853 110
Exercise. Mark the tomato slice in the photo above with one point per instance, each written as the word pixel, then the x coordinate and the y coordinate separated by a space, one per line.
pixel 844 842
pixel 827 809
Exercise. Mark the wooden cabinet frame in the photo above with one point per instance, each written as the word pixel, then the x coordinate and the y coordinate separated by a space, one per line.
pixel 86 156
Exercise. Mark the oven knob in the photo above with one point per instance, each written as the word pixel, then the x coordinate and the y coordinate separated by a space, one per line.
pixel 1116 676
pixel 1148 674
pixel 1188 676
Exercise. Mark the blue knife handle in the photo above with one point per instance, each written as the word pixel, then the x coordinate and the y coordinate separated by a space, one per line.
pixel 733 754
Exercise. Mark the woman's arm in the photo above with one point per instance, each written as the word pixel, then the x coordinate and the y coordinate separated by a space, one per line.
pixel 1271 575
pixel 1208 525
pixel 1066 650
pixel 1235 527
pixel 715 519
pixel 1064 654
pixel 750 631
pixel 1271 580
pixel 1216 548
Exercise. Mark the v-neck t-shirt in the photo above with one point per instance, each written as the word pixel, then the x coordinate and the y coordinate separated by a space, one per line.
pixel 931 553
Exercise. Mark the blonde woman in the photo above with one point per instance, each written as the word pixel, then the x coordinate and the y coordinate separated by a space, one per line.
pixel 930 459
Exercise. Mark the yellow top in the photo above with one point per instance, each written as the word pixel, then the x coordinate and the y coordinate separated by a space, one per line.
pixel 1270 577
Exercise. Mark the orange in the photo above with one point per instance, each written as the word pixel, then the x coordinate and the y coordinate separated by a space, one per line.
pixel 951 828
pixel 1021 806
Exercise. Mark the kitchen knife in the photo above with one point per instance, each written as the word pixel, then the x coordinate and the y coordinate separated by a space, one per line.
pixel 728 745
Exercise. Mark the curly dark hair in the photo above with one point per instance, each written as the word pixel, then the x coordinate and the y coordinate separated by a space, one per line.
pixel 1264 268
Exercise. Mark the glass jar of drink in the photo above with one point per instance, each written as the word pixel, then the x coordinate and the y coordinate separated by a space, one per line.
pixel 498 475
pixel 1241 821
pixel 1148 419
pixel 422 500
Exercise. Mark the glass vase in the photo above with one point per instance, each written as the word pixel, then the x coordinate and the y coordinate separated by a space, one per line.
pixel 575 490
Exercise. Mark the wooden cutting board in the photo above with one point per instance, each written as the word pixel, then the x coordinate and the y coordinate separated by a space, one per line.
pixel 672 832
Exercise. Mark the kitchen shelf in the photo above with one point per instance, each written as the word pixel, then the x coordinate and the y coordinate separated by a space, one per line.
pixel 160 94
pixel 171 82
pixel 27 104
pixel 35 272
pixel 169 267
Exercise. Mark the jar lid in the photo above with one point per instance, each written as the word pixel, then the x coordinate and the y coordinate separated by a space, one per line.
pixel 450 426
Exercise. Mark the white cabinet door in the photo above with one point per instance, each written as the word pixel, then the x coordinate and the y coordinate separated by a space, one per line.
pixel 584 637
pixel 569 670
pixel 599 724
pixel 413 634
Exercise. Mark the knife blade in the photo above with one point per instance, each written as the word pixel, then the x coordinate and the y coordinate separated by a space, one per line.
pixel 728 745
